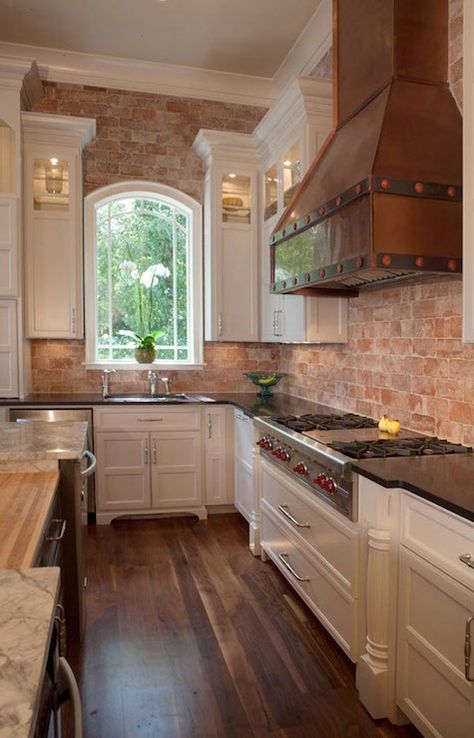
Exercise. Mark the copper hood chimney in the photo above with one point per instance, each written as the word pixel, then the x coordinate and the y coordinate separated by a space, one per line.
pixel 382 201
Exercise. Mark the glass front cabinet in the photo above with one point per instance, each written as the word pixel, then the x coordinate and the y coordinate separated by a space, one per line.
pixel 53 223
pixel 230 235
pixel 290 135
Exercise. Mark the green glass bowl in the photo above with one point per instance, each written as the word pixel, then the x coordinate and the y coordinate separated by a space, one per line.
pixel 264 380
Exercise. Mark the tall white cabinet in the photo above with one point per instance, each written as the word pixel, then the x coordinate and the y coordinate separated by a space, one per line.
pixel 230 235
pixel 289 137
pixel 249 181
pixel 20 87
pixel 53 223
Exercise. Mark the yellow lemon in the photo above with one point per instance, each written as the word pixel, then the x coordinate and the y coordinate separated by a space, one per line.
pixel 383 423
pixel 393 427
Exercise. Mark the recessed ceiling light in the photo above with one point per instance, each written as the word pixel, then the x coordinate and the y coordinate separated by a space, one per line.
pixel 232 175
pixel 287 163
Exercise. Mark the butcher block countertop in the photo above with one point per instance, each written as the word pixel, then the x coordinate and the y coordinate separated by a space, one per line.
pixel 25 502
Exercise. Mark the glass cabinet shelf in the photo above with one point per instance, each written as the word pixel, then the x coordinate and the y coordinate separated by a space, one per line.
pixel 292 170
pixel 236 191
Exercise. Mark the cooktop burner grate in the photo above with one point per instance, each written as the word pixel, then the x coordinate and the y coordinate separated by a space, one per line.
pixel 304 423
pixel 425 446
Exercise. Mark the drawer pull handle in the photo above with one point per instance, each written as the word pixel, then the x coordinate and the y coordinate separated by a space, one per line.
pixel 467 650
pixel 283 558
pixel 61 533
pixel 467 559
pixel 284 511
pixel 149 420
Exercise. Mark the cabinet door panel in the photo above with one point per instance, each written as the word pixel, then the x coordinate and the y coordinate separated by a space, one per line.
pixel 218 485
pixel 176 469
pixel 239 308
pixel 432 689
pixel 123 474
pixel 8 349
pixel 8 246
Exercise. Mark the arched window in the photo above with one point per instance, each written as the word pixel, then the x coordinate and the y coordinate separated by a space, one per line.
pixel 143 274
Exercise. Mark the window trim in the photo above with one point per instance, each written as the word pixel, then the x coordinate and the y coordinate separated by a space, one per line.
pixel 172 196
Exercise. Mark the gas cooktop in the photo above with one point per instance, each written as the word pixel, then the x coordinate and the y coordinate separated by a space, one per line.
pixel 304 423
pixel 385 448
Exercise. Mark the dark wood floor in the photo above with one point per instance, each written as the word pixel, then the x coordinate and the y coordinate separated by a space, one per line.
pixel 188 635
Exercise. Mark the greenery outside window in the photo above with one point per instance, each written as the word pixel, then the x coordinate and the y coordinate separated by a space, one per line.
pixel 143 273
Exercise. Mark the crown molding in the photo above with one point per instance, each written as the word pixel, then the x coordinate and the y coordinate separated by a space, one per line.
pixel 74 67
pixel 212 146
pixel 65 129
pixel 21 74
pixel 141 76
pixel 300 102
pixel 311 45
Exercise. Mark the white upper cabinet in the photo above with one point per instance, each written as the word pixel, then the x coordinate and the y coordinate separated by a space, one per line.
pixel 230 235
pixel 53 223
pixel 289 136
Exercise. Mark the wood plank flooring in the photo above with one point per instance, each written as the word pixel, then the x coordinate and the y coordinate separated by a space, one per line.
pixel 189 636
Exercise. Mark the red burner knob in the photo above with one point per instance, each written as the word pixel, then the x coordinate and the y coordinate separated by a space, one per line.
pixel 320 480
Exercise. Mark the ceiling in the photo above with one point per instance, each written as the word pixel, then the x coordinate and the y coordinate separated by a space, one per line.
pixel 249 37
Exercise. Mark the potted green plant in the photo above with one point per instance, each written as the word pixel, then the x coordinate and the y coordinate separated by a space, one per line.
pixel 145 351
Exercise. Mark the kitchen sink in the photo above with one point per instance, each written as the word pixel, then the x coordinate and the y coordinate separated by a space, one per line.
pixel 172 397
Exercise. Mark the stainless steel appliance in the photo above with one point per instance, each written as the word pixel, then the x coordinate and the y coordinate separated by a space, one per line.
pixel 62 414
pixel 319 451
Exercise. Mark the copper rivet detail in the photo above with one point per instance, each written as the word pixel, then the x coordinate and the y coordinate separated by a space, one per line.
pixel 419 261
pixel 322 273
pixel 419 187
pixel 339 268
pixel 307 277
pixel 338 200
pixel 359 262
pixel 386 260
pixel 385 184
pixel 358 188
pixel 451 191
pixel 321 211
pixel 452 265
pixel 295 280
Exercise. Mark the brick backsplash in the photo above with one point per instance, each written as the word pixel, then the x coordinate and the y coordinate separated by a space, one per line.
pixel 405 354
pixel 404 357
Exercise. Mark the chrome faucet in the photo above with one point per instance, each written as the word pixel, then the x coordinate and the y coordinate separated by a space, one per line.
pixel 105 382
pixel 166 382
pixel 152 382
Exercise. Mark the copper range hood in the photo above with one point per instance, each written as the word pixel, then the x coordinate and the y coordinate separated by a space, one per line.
pixel 382 201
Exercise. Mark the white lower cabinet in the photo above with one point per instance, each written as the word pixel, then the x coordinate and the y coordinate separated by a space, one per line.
pixel 435 674
pixel 123 478
pixel 9 380
pixel 147 471
pixel 316 549
pixel 243 470
pixel 176 469
pixel 219 456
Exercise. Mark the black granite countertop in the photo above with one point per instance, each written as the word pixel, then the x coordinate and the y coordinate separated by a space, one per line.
pixel 447 481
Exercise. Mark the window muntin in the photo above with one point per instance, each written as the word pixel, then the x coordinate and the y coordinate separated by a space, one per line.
pixel 143 265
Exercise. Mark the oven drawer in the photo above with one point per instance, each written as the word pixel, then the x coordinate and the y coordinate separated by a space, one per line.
pixel 439 536
pixel 334 540
pixel 331 603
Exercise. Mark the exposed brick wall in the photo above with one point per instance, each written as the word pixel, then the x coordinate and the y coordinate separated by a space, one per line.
pixel 145 136
pixel 58 367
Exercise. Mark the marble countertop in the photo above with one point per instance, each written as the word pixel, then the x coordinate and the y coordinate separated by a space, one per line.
pixel 42 440
pixel 27 607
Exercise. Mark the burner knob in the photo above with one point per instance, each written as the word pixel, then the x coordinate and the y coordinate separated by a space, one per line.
pixel 286 456
pixel 261 443
pixel 276 452
pixel 301 468
pixel 330 486
pixel 320 480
